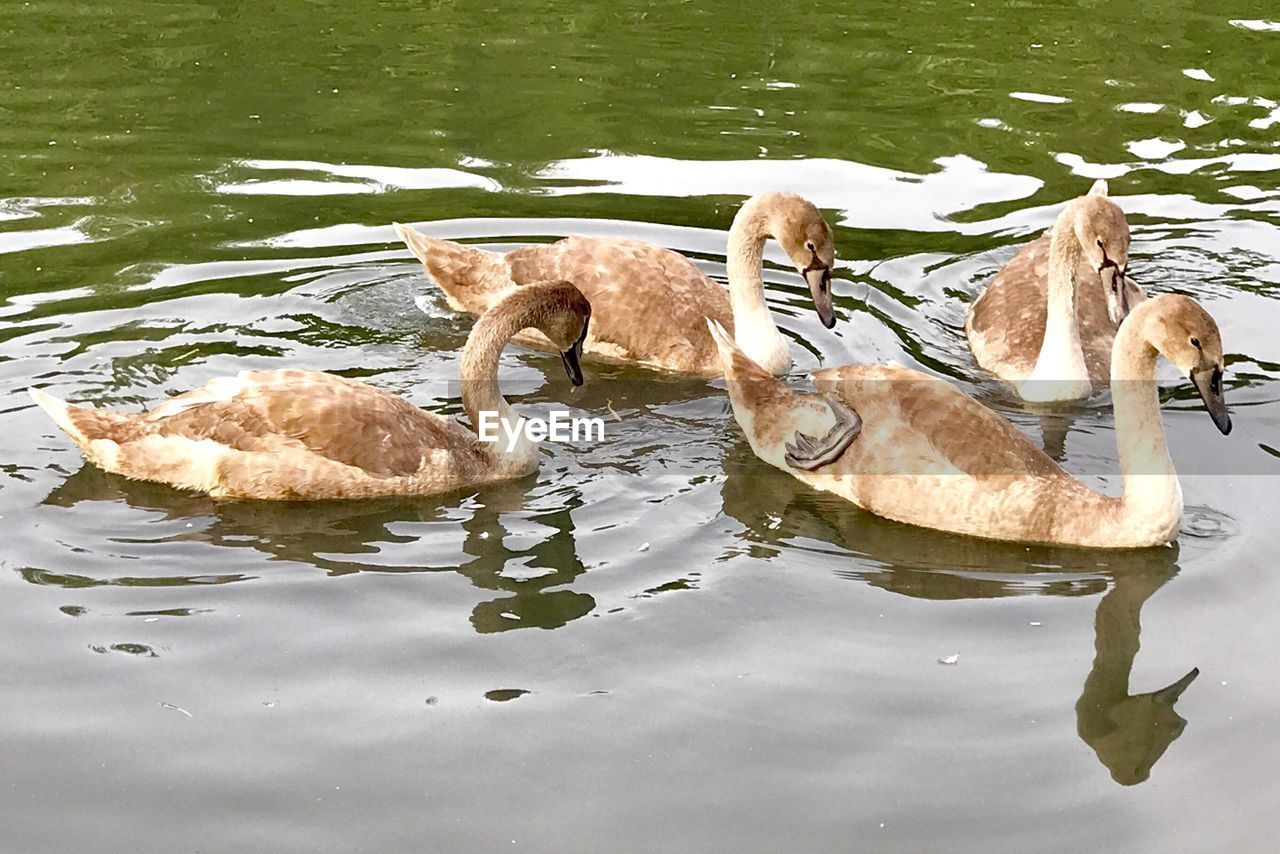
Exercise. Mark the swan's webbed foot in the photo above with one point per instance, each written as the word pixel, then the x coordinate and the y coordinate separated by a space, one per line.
pixel 809 453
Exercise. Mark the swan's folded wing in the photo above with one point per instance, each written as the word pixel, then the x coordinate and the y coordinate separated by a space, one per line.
pixel 644 299
pixel 341 419
pixel 1006 324
pixel 949 431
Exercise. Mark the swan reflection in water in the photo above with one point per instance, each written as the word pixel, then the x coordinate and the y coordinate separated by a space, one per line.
pixel 380 536
pixel 1128 732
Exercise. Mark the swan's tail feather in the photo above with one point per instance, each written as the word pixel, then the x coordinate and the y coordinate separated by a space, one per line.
pixel 82 424
pixel 122 443
pixel 60 412
pixel 98 433
pixel 472 279
pixel 1099 188
pixel 736 364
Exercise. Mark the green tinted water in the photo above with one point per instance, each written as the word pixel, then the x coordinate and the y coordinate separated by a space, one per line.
pixel 727 659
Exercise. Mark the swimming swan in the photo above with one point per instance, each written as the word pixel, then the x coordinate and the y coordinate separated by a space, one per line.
pixel 913 448
pixel 1047 321
pixel 298 435
pixel 648 302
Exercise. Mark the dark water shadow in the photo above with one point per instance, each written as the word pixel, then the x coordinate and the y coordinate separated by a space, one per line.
pixel 1128 732
pixel 344 537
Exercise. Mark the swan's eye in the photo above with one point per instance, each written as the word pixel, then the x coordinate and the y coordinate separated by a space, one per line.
pixel 1195 342
pixel 1100 246
pixel 811 247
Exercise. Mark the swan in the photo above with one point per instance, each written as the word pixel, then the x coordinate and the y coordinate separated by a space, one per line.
pixel 649 302
pixel 303 435
pixel 1047 321
pixel 915 449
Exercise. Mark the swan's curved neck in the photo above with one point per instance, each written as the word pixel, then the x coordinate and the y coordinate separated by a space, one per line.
pixel 1152 499
pixel 481 398
pixel 753 327
pixel 1060 372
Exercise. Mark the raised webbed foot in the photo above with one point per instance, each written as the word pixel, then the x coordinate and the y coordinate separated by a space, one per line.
pixel 809 453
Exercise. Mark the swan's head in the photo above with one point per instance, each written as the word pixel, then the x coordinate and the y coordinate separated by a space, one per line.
pixel 1186 335
pixel 560 312
pixel 1103 233
pixel 798 225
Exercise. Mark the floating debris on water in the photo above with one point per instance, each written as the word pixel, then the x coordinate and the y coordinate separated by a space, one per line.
pixel 174 708
pixel 502 695
pixel 950 659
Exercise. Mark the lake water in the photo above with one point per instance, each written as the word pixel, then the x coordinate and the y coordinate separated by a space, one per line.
pixel 657 642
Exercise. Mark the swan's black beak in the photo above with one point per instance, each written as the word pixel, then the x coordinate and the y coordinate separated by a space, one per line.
pixel 572 363
pixel 573 356
pixel 818 276
pixel 1121 291
pixel 1208 381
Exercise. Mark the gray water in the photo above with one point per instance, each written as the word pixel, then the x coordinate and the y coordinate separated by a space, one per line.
pixel 657 641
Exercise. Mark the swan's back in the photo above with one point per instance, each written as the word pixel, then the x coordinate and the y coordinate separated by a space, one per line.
pixel 647 301
pixel 946 430
pixel 286 434
pixel 955 464
pixel 337 418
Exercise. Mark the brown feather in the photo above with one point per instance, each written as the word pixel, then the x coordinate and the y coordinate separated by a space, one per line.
pixel 337 418
pixel 623 279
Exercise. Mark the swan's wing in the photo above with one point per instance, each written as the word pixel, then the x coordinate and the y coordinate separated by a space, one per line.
pixel 917 424
pixel 646 300
pixel 341 419
pixel 1006 323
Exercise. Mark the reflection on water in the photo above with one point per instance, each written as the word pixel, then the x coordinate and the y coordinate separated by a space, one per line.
pixel 525 574
pixel 368 536
pixel 1128 733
